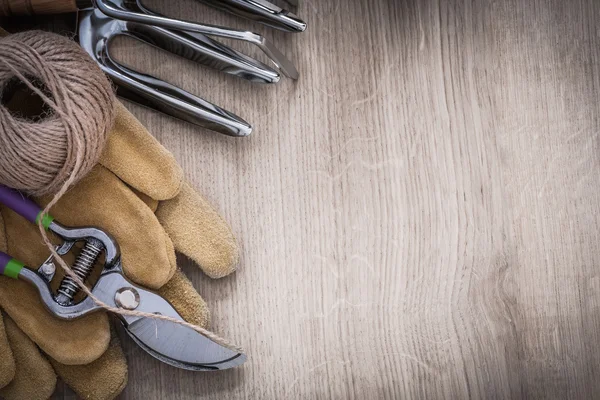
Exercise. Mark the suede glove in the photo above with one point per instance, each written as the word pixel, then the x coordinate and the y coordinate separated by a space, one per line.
pixel 136 193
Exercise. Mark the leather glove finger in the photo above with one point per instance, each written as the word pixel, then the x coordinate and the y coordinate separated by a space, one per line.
pixel 7 360
pixel 180 292
pixel 195 228
pixel 34 377
pixel 199 232
pixel 135 156
pixel 102 379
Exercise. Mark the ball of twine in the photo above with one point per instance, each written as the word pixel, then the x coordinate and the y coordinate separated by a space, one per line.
pixel 48 154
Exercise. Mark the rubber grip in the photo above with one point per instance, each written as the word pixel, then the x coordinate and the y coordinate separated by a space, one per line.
pixel 4 260
pixel 9 266
pixel 20 204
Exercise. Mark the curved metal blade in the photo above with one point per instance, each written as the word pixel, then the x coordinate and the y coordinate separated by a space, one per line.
pixel 168 341
pixel 176 344
pixel 182 347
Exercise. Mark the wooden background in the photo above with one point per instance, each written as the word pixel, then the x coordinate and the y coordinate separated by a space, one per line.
pixel 419 214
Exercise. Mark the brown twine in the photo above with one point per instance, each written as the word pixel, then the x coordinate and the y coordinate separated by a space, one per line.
pixel 40 157
pixel 51 155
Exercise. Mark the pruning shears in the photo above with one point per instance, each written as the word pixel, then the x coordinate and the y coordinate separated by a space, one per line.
pixel 172 343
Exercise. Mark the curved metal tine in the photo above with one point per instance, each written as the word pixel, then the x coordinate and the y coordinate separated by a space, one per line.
pixel 95 33
pixel 176 102
pixel 261 11
pixel 122 10
pixel 202 49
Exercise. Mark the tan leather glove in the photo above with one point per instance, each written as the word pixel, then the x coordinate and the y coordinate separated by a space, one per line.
pixel 137 193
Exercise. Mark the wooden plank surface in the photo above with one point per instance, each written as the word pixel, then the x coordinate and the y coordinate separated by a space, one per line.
pixel 418 215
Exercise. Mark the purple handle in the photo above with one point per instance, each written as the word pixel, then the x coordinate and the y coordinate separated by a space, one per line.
pixel 4 260
pixel 17 202
pixel 9 266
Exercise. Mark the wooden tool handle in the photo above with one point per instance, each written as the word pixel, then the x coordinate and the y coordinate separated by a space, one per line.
pixel 30 7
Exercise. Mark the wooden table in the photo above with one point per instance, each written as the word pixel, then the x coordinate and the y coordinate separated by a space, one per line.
pixel 418 215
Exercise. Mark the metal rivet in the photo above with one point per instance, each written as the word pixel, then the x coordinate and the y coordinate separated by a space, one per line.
pixel 127 298
pixel 48 269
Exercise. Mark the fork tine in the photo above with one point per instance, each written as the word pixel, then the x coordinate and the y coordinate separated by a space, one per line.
pixel 262 11
pixel 202 49
pixel 176 102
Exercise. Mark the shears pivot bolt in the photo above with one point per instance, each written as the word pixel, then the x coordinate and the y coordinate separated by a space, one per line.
pixel 127 298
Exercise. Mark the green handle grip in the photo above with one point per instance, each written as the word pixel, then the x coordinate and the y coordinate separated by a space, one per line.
pixel 9 266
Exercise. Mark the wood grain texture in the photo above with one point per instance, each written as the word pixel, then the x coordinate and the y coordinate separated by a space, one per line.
pixel 419 215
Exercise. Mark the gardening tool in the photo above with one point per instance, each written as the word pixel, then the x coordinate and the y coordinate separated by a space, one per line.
pixel 100 21
pixel 172 343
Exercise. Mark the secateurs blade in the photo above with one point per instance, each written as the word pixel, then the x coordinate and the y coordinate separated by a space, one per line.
pixel 172 343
